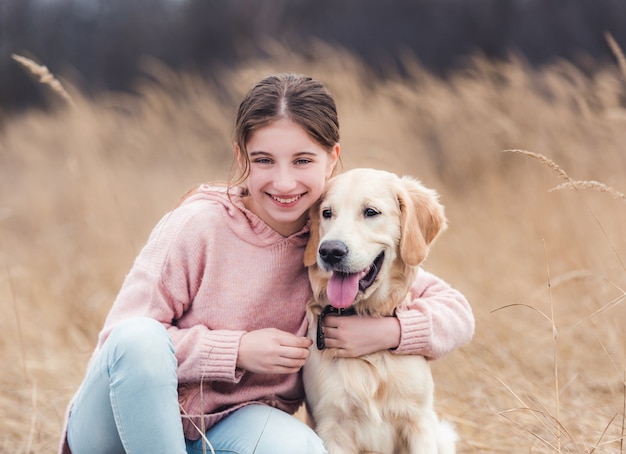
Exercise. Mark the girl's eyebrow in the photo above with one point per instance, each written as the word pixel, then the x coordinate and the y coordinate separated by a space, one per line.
pixel 266 153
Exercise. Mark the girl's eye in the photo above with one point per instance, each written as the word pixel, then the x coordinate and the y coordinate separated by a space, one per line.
pixel 370 212
pixel 262 161
pixel 303 161
pixel 327 213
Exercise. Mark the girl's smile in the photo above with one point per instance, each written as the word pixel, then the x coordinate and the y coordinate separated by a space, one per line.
pixel 284 200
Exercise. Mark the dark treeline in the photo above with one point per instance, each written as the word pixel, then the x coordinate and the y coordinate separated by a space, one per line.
pixel 101 42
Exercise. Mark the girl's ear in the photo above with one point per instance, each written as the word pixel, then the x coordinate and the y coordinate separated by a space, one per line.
pixel 333 159
pixel 240 158
pixel 310 253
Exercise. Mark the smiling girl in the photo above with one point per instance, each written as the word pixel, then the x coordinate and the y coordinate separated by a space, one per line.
pixel 206 338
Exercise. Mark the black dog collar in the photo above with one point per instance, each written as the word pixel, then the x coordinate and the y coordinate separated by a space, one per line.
pixel 328 310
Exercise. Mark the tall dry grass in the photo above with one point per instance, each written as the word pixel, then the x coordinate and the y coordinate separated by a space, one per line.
pixel 542 264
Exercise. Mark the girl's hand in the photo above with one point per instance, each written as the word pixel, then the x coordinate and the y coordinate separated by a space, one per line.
pixel 272 351
pixel 358 335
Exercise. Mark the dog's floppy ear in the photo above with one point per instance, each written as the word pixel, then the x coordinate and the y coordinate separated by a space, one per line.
pixel 422 220
pixel 310 253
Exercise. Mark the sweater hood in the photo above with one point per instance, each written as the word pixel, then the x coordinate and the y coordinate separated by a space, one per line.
pixel 243 222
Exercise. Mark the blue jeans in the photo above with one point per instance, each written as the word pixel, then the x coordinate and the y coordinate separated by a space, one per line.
pixel 128 403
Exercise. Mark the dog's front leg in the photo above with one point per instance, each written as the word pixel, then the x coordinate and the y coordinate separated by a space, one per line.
pixel 337 448
pixel 337 440
pixel 421 435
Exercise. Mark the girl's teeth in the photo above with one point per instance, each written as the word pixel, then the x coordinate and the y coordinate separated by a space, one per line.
pixel 289 200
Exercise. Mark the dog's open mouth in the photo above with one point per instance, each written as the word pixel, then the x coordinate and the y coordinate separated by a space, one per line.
pixel 343 288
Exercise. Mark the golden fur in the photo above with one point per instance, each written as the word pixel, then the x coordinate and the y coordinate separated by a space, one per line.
pixel 380 402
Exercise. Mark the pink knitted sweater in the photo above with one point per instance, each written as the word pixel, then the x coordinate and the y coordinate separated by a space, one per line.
pixel 212 270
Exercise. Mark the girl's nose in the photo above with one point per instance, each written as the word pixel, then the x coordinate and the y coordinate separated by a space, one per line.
pixel 285 181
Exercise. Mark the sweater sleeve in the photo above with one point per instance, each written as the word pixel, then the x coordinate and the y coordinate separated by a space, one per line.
pixel 162 284
pixel 437 320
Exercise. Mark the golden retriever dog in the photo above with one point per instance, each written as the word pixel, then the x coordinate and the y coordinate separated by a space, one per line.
pixel 369 233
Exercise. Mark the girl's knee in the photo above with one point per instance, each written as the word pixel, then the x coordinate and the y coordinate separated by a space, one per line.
pixel 291 434
pixel 304 440
pixel 263 430
pixel 141 340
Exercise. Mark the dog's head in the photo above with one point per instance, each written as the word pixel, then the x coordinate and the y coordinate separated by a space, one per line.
pixel 369 232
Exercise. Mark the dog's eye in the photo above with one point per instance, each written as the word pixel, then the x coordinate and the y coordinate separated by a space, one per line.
pixel 370 212
pixel 327 213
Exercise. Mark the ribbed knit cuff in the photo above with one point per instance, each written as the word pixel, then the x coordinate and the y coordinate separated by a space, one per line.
pixel 414 333
pixel 220 351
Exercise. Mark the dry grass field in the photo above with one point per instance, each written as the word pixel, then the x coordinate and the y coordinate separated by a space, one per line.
pixel 536 238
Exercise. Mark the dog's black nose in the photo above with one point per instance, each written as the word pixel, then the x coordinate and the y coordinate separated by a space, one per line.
pixel 332 252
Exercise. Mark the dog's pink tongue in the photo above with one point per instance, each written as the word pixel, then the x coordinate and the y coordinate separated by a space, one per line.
pixel 342 289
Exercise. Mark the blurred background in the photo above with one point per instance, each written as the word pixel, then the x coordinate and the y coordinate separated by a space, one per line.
pixel 513 110
pixel 101 44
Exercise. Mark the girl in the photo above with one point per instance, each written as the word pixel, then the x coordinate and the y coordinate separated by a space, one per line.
pixel 206 337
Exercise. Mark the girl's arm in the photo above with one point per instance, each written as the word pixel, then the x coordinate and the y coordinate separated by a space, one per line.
pixel 162 284
pixel 437 320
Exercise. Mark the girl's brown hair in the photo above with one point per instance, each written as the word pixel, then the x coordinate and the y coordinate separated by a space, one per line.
pixel 299 98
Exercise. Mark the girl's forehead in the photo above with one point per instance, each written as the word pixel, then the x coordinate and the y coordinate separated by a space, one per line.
pixel 280 132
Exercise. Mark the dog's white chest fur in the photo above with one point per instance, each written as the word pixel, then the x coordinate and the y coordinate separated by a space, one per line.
pixel 368 404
